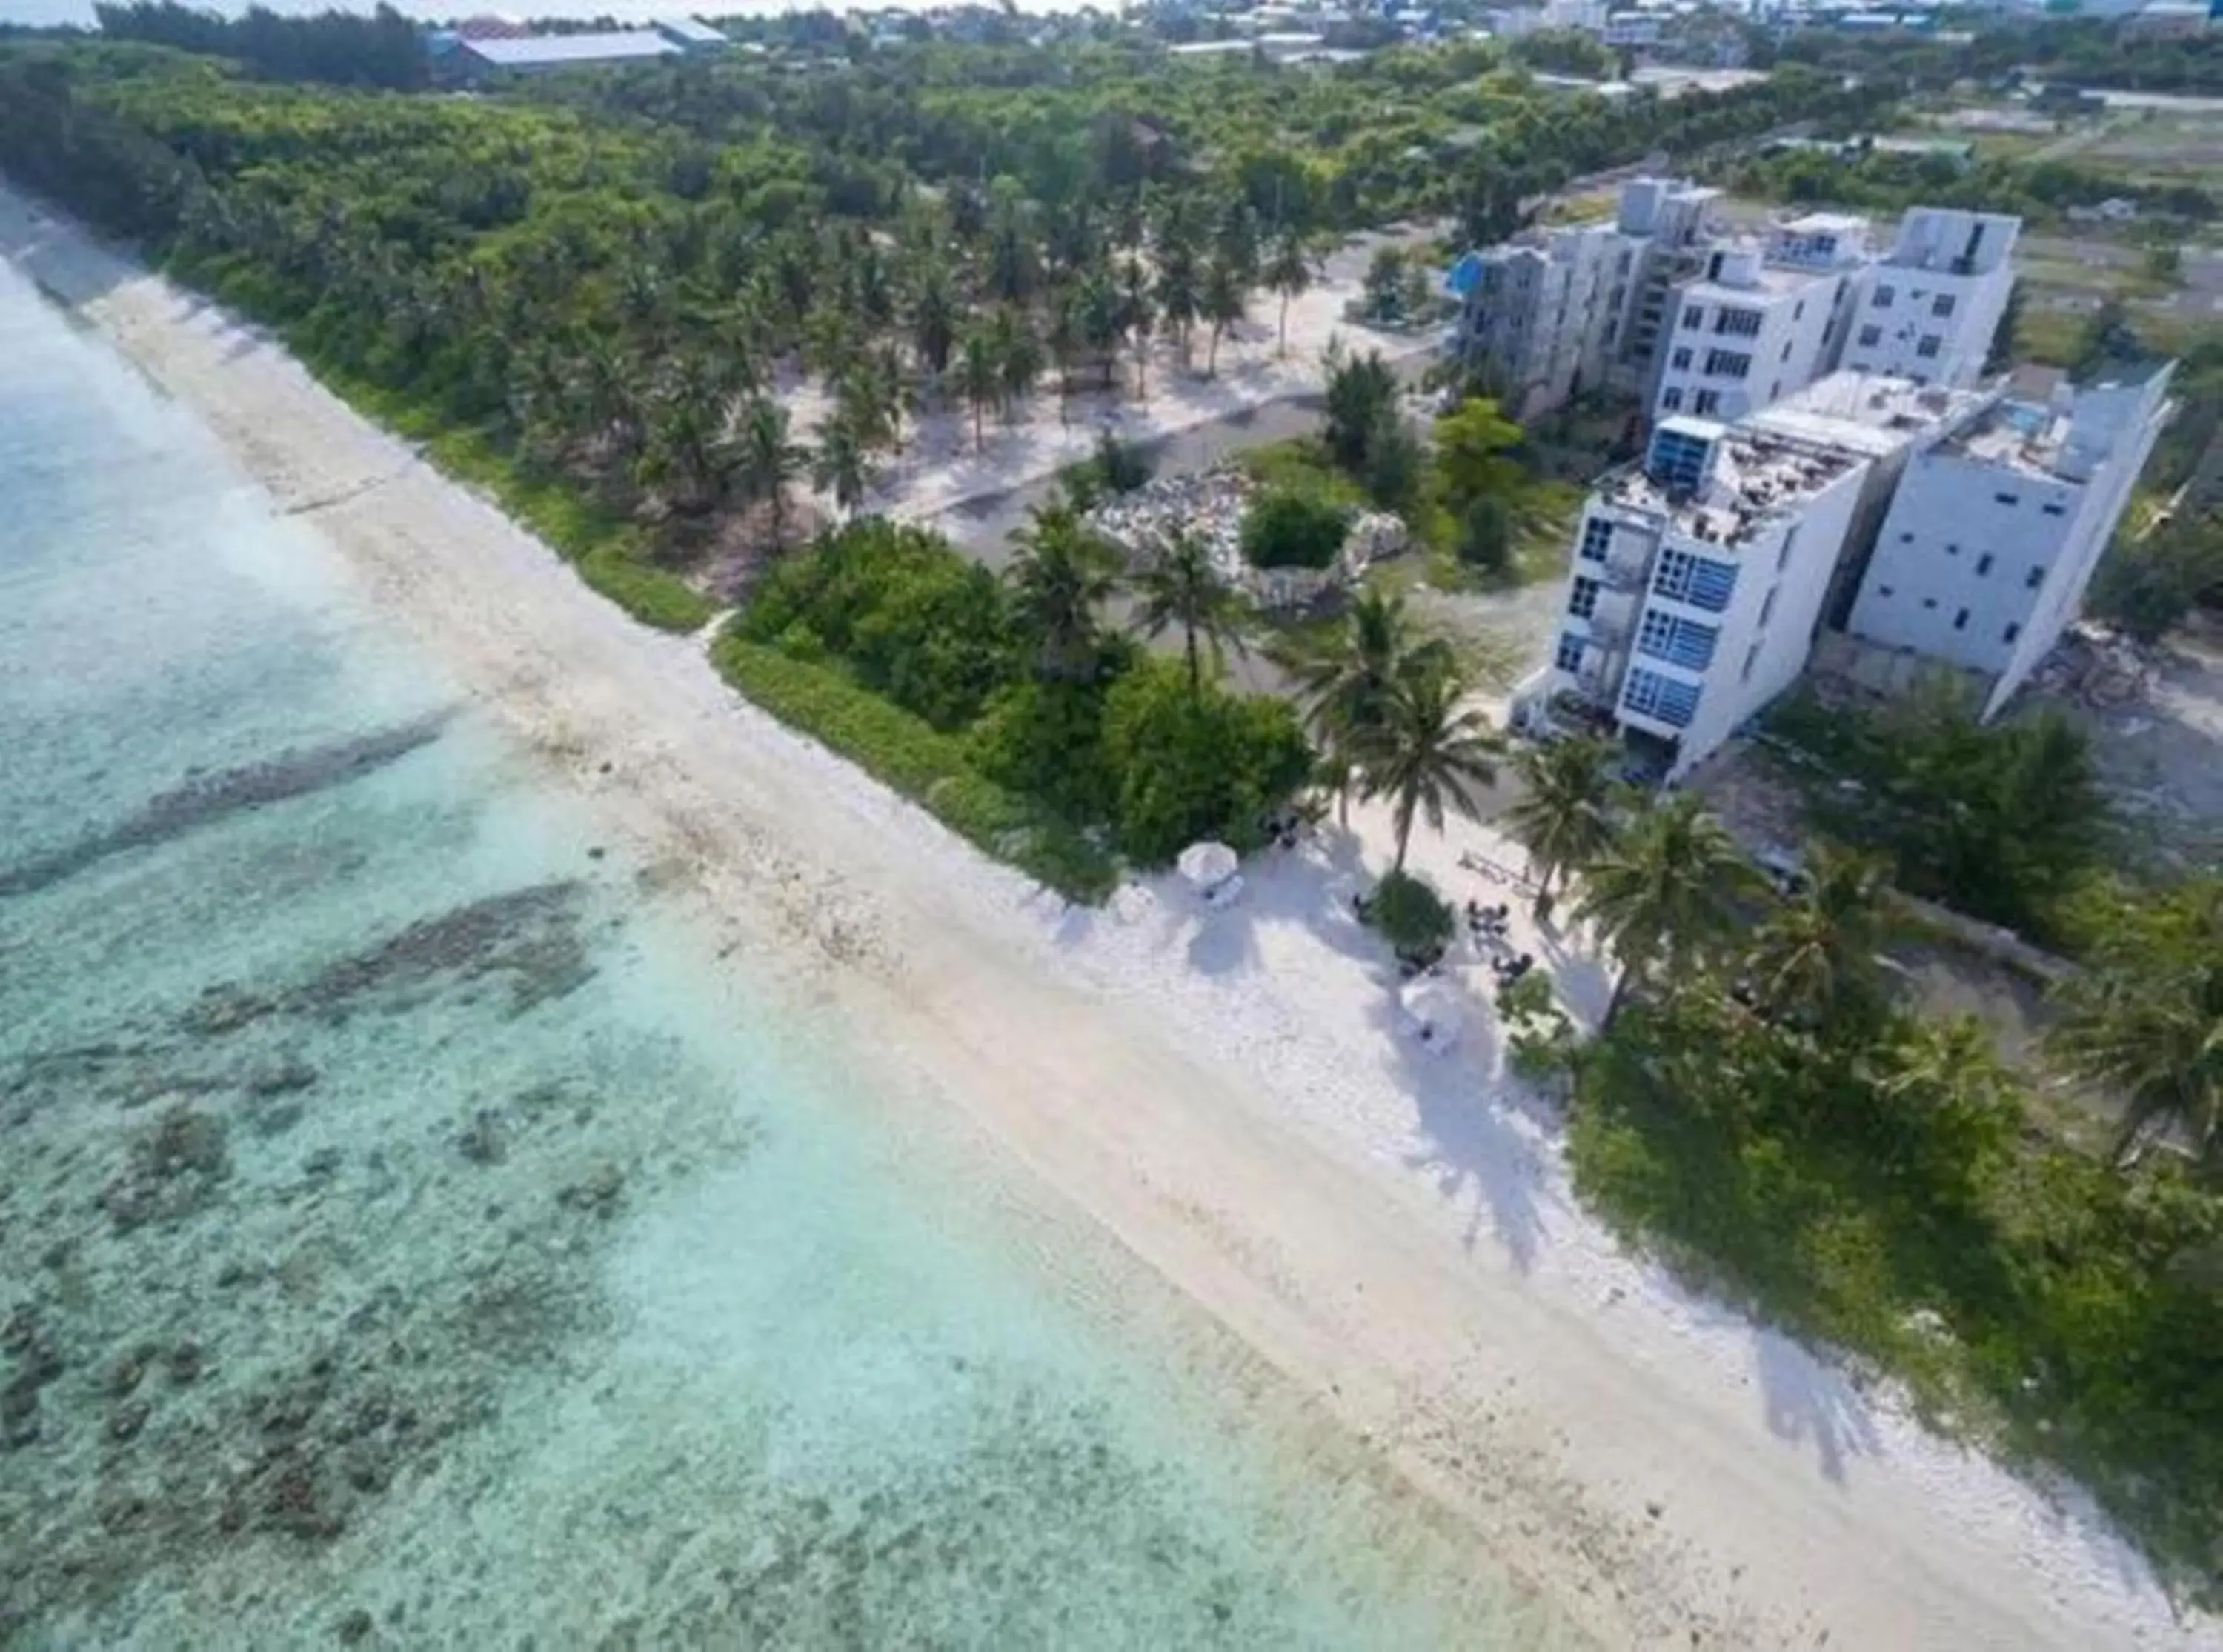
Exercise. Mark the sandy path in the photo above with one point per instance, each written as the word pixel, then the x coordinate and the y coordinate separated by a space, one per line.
pixel 1228 1098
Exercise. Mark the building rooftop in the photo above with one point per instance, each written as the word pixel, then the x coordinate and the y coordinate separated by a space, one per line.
pixel 2034 436
pixel 690 31
pixel 1869 413
pixel 543 51
pixel 1751 476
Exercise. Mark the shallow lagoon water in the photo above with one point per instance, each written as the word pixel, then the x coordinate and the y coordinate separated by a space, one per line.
pixel 412 1235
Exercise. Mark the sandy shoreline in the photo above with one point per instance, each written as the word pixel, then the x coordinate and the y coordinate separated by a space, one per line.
pixel 1228 1098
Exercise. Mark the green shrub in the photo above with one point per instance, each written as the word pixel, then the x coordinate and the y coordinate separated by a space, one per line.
pixel 1286 528
pixel 1485 535
pixel 1045 739
pixel 911 755
pixel 1194 766
pixel 1406 911
pixel 909 617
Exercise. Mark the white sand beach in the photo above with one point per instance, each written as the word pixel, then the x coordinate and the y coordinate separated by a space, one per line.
pixel 1228 1093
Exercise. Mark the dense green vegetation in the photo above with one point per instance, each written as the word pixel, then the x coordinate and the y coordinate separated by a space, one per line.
pixel 2004 822
pixel 346 48
pixel 1017 689
pixel 1882 181
pixel 1767 1111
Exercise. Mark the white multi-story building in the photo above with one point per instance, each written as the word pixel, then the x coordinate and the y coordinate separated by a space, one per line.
pixel 1993 537
pixel 1539 315
pixel 1758 322
pixel 1699 578
pixel 1931 305
pixel 1556 311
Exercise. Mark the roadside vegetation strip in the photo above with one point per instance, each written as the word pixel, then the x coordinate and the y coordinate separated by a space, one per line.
pixel 909 756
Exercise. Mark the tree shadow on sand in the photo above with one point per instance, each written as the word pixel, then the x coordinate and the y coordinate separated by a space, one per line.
pixel 1471 1144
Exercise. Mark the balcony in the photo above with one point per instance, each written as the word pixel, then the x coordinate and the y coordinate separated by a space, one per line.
pixel 1624 574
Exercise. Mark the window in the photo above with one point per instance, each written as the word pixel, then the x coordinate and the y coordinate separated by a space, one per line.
pixel 1686 643
pixel 1694 316
pixel 1783 556
pixel 1906 537
pixel 1870 337
pixel 2054 510
pixel 1651 694
pixel 1951 548
pixel 1582 597
pixel 1751 659
pixel 1677 460
pixel 1708 401
pixel 2032 579
pixel 1785 356
pixel 1597 535
pixel 1798 310
pixel 2008 499
pixel 1961 620
pixel 1728 364
pixel 1942 305
pixel 1738 323
pixel 1568 655
pixel 1680 360
pixel 1884 295
pixel 1984 564
pixel 1883 590
pixel 1767 608
pixel 1928 349
pixel 2010 633
pixel 1775 390
pixel 1929 602
pixel 1699 580
pixel 1672 398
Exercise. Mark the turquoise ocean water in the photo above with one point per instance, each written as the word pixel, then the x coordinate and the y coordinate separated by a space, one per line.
pixel 411 1236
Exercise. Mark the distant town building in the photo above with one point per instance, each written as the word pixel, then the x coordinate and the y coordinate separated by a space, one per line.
pixel 1962 524
pixel 691 33
pixel 487 59
pixel 1933 302
pixel 1993 535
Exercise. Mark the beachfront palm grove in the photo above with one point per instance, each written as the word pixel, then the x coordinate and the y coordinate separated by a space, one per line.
pixel 606 296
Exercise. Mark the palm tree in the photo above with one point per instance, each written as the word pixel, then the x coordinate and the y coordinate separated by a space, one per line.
pixel 1103 322
pixel 1224 305
pixel 978 379
pixel 1065 343
pixel 1181 587
pixel 1062 576
pixel 838 468
pixel 1347 685
pixel 2147 1020
pixel 769 459
pixel 1427 752
pixel 1288 273
pixel 1662 891
pixel 934 319
pixel 1138 316
pixel 1179 302
pixel 1813 958
pixel 1018 356
pixel 1561 817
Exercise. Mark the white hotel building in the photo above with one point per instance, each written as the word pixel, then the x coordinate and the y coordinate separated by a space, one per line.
pixel 1700 578
pixel 1931 305
pixel 1993 535
pixel 1761 322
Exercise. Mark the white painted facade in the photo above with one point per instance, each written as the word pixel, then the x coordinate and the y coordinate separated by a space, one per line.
pixel 1993 538
pixel 1698 580
pixel 1763 321
pixel 1541 316
pixel 1929 308
pixel 1556 311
